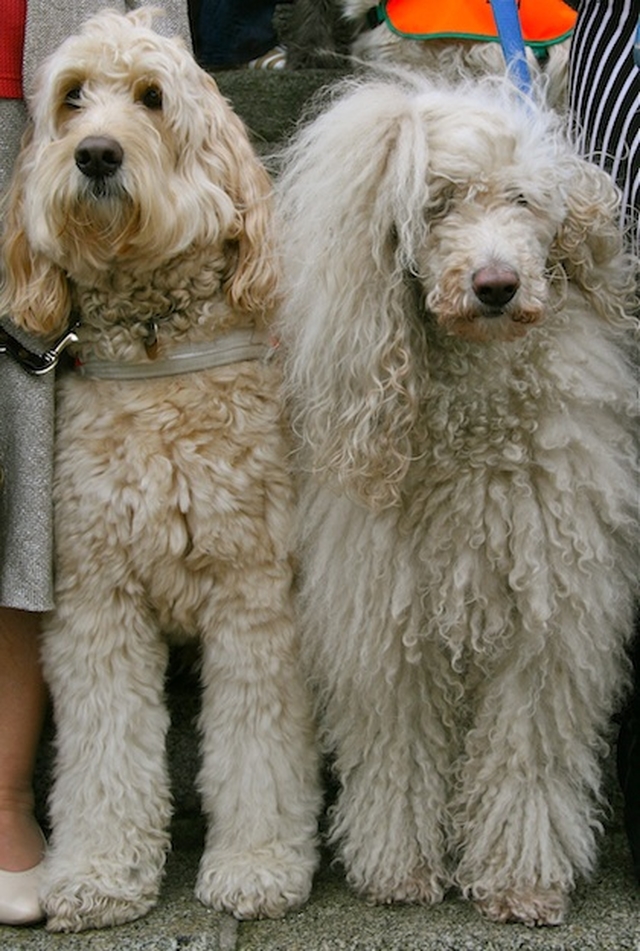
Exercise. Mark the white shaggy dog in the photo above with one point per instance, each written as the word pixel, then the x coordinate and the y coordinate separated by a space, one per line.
pixel 456 331
pixel 140 207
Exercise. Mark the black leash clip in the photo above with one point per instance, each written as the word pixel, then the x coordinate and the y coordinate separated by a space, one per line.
pixel 37 363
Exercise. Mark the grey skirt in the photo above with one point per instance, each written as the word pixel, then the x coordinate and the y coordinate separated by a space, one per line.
pixel 26 447
pixel 26 470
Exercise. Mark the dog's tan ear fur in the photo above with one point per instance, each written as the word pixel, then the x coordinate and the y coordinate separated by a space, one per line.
pixel 350 236
pixel 34 291
pixel 590 244
pixel 252 284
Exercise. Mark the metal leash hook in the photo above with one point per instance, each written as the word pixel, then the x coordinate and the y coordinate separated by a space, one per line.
pixel 37 363
pixel 507 20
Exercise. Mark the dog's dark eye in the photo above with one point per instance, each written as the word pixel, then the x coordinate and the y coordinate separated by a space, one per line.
pixel 441 198
pixel 73 96
pixel 439 207
pixel 152 98
pixel 521 200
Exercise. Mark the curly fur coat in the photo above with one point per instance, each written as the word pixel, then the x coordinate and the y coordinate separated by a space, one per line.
pixel 140 207
pixel 459 347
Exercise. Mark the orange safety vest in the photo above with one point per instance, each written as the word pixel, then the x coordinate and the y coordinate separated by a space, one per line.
pixel 543 22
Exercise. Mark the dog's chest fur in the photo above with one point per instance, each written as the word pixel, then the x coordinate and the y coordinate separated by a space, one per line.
pixel 515 443
pixel 169 480
pixel 499 406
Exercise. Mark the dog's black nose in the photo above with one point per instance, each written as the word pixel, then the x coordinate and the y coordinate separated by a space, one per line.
pixel 99 156
pixel 495 286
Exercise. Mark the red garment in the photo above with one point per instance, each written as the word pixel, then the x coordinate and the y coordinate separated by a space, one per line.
pixel 13 15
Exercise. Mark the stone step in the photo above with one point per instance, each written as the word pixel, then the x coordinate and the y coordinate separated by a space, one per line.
pixel 604 916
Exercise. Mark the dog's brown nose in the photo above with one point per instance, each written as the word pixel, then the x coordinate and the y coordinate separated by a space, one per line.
pixel 99 156
pixel 495 286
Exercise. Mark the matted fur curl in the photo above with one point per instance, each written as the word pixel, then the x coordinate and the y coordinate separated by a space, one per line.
pixel 214 189
pixel 468 520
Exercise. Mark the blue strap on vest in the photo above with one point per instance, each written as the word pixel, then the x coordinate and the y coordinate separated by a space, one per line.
pixel 512 43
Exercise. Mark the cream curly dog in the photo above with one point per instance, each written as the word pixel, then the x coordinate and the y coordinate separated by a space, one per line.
pixel 457 333
pixel 140 207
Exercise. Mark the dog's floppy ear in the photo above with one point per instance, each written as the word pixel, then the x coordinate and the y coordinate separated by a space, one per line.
pixel 590 245
pixel 253 279
pixel 34 291
pixel 352 193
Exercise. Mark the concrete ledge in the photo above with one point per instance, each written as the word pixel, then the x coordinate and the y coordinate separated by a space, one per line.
pixel 604 916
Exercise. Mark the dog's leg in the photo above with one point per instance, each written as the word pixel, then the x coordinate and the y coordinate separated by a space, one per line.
pixel 385 698
pixel 259 775
pixel 110 803
pixel 391 759
pixel 530 783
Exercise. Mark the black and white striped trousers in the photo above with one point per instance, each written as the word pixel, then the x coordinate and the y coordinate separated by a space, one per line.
pixel 605 97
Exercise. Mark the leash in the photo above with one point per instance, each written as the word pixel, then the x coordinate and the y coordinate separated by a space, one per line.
pixel 37 364
pixel 242 343
pixel 507 20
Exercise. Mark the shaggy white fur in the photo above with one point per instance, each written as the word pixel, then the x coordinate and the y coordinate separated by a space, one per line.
pixel 139 206
pixel 458 355
pixel 453 59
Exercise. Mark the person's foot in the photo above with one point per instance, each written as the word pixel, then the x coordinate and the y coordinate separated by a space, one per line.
pixel 22 847
pixel 21 840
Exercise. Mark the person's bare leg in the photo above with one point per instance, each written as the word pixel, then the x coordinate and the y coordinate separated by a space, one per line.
pixel 22 705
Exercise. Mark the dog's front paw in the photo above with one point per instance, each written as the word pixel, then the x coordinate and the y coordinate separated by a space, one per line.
pixel 418 887
pixel 83 905
pixel 265 883
pixel 529 906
